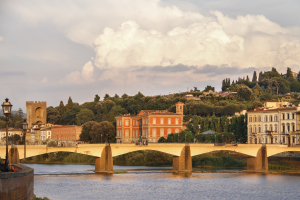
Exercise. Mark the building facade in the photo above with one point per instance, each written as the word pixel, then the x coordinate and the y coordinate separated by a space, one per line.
pixel 149 125
pixel 276 123
pixel 66 135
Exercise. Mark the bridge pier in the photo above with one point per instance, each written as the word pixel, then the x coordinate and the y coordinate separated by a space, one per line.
pixel 104 164
pixel 183 163
pixel 260 162
pixel 13 156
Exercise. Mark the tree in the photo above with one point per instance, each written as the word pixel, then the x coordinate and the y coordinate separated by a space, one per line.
pixel 289 73
pixel 97 98
pixel 254 79
pixel 245 92
pixel 106 97
pixel 61 108
pixel 52 115
pixel 84 116
pixel 86 131
pixel 260 77
pixel 111 117
pixel 257 89
pixel 247 79
pixel 105 129
pixel 208 88
pixel 70 104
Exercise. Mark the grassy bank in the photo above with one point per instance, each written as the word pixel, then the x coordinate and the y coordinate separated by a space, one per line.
pixel 61 158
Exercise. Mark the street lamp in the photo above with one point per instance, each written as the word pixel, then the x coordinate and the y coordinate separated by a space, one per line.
pixel 101 138
pixel 178 137
pixel 25 127
pixel 6 107
pixel 106 138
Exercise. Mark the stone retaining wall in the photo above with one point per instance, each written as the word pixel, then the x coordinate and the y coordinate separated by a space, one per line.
pixel 17 185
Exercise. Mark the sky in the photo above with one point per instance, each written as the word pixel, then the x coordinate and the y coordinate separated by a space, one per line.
pixel 50 50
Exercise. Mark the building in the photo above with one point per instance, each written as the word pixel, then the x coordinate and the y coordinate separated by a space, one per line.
pixel 275 123
pixel 66 135
pixel 149 125
pixel 11 132
pixel 36 113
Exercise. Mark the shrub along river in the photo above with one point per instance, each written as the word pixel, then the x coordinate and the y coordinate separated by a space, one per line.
pixel 57 181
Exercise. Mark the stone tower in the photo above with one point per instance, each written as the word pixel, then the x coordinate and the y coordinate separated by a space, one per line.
pixel 179 108
pixel 36 112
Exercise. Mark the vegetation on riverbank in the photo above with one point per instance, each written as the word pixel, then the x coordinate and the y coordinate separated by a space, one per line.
pixel 61 158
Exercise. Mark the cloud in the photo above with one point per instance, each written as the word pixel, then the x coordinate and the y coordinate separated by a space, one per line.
pixel 85 76
pixel 249 41
pixel 45 80
pixel 1 38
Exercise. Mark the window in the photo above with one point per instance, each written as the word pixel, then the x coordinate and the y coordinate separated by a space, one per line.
pixel 254 118
pixel 126 123
pixel 275 127
pixel 254 129
pixel 133 132
pixel 250 129
pixel 250 118
pixel 176 121
pixel 266 128
pixel 293 116
pixel 133 122
pixel 288 116
pixel 143 121
pixel 276 118
pixel 154 120
pixel 259 129
pixel 169 121
pixel 176 130
pixel 161 132
pixel 271 118
pixel 144 132
pixel 271 127
pixel 266 118
pixel 154 132
pixel 161 120
pixel 126 133
pixel 169 131
pixel 259 118
pixel 282 115
pixel 293 127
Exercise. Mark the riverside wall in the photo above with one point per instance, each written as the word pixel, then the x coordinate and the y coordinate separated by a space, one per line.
pixel 18 184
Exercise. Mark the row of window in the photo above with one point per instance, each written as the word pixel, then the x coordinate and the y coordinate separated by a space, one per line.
pixel 137 133
pixel 285 128
pixel 145 121
pixel 271 118
pixel 276 140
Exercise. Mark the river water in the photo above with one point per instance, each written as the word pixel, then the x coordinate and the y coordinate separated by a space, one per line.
pixel 80 182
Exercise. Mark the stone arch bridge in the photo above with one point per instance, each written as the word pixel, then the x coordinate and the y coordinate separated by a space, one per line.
pixel 257 154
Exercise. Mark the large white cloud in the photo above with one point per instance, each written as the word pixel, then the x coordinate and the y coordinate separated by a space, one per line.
pixel 246 41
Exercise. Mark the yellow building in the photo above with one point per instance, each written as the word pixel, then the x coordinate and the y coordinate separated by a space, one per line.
pixel 276 123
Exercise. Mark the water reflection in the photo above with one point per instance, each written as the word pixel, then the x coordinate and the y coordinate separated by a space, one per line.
pixel 143 184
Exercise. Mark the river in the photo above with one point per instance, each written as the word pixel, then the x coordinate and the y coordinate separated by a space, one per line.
pixel 80 182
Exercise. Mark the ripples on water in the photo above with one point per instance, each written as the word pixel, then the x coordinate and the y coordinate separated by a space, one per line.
pixel 79 182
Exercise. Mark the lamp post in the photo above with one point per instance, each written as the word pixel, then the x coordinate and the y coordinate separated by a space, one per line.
pixel 6 107
pixel 178 137
pixel 101 138
pixel 106 138
pixel 25 127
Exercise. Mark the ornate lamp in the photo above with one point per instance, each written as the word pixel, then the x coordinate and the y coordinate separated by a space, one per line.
pixel 6 107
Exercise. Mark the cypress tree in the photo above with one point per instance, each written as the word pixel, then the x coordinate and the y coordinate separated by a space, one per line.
pixel 247 79
pixel 254 79
pixel 260 77
pixel 289 73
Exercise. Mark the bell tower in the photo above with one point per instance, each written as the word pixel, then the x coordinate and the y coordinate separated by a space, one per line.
pixel 179 108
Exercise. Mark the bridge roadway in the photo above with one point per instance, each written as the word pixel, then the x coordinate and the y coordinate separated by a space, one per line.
pixel 182 153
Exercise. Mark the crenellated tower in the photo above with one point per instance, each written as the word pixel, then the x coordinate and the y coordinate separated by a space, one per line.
pixel 36 112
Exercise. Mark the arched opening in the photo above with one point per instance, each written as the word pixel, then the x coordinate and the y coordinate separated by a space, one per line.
pixel 39 112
